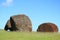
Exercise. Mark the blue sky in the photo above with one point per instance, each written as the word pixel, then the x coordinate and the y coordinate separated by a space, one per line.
pixel 39 11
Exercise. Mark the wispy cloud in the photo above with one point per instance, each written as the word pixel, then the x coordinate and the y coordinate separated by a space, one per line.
pixel 7 3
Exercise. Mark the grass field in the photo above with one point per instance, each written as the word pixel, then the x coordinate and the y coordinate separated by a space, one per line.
pixel 28 36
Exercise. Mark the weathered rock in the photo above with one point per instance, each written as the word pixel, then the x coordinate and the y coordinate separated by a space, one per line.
pixel 19 23
pixel 47 27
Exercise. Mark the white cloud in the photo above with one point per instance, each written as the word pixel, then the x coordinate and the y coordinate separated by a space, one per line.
pixel 7 3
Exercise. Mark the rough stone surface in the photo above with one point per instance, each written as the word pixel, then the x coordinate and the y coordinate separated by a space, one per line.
pixel 19 23
pixel 47 27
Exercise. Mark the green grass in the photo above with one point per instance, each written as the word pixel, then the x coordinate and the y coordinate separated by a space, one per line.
pixel 28 36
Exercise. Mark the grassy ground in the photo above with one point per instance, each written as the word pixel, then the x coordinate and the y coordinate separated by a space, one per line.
pixel 28 36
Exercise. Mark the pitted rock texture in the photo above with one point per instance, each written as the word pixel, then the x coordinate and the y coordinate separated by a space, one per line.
pixel 19 23
pixel 47 27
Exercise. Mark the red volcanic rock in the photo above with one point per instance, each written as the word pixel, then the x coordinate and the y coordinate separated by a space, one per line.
pixel 47 27
pixel 19 23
